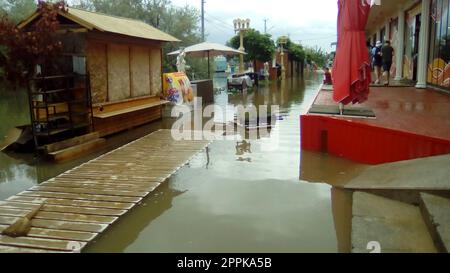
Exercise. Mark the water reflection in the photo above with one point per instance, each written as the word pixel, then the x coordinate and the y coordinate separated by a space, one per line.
pixel 244 148
pixel 341 201
pixel 229 205
pixel 127 230
pixel 239 195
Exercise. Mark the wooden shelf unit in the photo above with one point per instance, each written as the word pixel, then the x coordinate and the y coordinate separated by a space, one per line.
pixel 59 104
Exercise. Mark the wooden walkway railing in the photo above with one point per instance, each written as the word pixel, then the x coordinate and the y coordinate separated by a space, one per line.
pixel 82 203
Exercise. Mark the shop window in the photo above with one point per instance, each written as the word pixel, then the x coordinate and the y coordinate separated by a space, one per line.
pixel 439 58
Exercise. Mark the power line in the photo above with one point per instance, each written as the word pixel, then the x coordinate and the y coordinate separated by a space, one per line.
pixel 218 26
pixel 220 20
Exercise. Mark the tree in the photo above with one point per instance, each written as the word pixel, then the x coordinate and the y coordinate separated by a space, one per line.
pixel 17 10
pixel 296 51
pixel 316 55
pixel 22 49
pixel 259 47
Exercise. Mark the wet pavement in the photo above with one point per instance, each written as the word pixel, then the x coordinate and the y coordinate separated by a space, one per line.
pixel 234 197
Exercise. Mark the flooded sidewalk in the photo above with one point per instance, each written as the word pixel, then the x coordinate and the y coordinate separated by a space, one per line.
pixel 235 197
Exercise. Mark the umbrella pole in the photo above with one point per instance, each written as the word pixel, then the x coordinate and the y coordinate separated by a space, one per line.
pixel 209 72
pixel 341 108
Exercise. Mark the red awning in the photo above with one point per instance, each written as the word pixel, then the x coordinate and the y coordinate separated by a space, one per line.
pixel 351 70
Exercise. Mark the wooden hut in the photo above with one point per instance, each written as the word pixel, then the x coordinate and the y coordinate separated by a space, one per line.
pixel 108 79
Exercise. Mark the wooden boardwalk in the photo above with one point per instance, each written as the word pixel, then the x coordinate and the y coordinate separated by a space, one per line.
pixel 83 202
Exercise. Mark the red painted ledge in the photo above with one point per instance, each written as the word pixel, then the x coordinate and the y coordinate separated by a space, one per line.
pixel 365 143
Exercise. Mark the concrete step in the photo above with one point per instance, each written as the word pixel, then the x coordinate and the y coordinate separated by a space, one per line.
pixel 77 150
pixel 406 180
pixel 394 226
pixel 436 212
pixel 431 173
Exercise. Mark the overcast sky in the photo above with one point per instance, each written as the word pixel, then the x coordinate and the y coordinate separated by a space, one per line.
pixel 312 22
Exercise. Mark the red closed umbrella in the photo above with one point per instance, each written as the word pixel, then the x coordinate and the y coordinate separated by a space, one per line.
pixel 351 69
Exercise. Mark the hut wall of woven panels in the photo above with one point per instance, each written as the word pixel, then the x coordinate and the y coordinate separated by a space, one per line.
pixel 123 71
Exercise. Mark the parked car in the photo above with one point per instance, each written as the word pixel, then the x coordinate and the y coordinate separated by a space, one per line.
pixel 243 81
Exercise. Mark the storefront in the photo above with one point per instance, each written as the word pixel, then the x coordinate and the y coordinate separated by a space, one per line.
pixel 393 37
pixel 412 32
pixel 439 50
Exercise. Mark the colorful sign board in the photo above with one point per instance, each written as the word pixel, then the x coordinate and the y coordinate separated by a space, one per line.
pixel 177 88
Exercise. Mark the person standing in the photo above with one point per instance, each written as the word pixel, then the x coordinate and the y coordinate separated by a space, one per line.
pixel 327 79
pixel 377 61
pixel 387 52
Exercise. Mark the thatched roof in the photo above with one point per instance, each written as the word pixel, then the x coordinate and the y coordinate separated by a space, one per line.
pixel 107 23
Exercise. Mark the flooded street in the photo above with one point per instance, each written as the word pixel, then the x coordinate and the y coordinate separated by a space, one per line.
pixel 234 197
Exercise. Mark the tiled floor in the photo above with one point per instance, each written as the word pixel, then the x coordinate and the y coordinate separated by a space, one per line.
pixel 419 111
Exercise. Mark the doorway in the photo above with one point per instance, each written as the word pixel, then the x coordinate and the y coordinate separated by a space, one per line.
pixel 415 50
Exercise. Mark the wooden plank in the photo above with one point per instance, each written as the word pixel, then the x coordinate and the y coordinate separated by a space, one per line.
pixel 63 209
pixel 156 173
pixel 72 202
pixel 50 148
pixel 58 234
pixel 102 186
pixel 126 121
pixel 101 182
pixel 75 151
pixel 104 162
pixel 71 217
pixel 58 225
pixel 7 220
pixel 46 244
pixel 13 212
pixel 115 177
pixel 23 250
pixel 153 172
pixel 136 182
pixel 94 173
pixel 131 102
pixel 89 191
pixel 63 216
pixel 87 197
pixel 105 115
pixel 70 226
pixel 158 163
pixel 131 183
pixel 117 159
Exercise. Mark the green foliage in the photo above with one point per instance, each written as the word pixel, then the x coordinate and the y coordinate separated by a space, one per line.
pixel 17 10
pixel 259 47
pixel 316 55
pixel 296 51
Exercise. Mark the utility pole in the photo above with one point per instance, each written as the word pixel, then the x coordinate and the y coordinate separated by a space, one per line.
pixel 203 20
pixel 265 25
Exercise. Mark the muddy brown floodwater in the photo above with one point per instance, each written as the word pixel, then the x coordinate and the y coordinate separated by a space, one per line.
pixel 233 197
